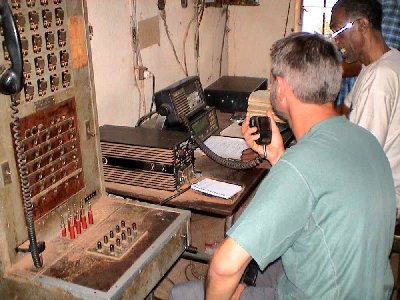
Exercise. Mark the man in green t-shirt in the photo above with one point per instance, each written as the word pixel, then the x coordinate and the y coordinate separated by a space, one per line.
pixel 327 207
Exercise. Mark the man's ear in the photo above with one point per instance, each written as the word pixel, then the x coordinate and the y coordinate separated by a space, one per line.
pixel 282 87
pixel 363 24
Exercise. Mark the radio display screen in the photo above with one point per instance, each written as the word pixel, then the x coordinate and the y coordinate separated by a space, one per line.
pixel 194 99
pixel 200 125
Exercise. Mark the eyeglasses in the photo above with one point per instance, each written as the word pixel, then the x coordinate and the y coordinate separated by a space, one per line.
pixel 342 29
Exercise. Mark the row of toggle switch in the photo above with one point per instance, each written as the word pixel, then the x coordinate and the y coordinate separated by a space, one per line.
pixel 42 85
pixel 16 4
pixel 34 19
pixel 37 42
pixel 40 63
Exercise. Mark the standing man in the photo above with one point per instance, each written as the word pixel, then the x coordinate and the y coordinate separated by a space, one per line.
pixel 391 35
pixel 374 101
pixel 327 206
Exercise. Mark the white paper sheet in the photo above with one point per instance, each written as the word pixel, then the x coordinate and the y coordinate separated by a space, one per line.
pixel 216 188
pixel 226 147
pixel 234 130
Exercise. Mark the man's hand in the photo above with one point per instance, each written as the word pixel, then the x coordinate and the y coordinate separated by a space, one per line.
pixel 274 150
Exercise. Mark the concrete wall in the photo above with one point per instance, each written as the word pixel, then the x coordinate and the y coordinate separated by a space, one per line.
pixel 113 59
pixel 251 32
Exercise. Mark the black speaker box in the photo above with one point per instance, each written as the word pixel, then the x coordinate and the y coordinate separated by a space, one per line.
pixel 231 93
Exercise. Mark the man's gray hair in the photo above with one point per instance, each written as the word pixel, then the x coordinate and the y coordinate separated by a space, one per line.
pixel 310 64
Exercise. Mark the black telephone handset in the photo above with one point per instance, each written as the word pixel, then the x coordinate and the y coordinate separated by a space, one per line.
pixel 11 78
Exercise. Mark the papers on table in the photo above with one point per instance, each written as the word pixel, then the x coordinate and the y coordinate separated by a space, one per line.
pixel 216 188
pixel 226 147
pixel 234 130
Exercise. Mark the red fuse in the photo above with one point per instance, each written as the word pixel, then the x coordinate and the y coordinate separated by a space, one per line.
pixel 83 217
pixel 71 227
pixel 63 229
pixel 78 225
pixel 78 228
pixel 83 221
pixel 90 214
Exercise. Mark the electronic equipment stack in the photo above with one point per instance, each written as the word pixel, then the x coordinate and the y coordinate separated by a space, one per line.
pixel 147 157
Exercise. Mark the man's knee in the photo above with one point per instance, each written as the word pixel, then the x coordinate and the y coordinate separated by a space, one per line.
pixel 188 290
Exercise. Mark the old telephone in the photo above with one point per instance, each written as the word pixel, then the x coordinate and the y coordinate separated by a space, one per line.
pixel 183 104
pixel 11 78
pixel 51 176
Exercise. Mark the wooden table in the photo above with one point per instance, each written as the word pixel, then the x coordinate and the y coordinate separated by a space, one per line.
pixel 196 201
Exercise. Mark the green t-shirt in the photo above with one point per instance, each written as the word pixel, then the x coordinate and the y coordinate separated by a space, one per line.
pixel 328 209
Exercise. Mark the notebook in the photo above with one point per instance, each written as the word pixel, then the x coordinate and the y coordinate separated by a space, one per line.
pixel 216 188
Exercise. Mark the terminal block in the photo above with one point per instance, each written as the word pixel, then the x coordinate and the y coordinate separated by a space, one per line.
pixel 49 36
pixel 59 12
pixel 52 61
pixel 64 57
pixel 118 240
pixel 27 70
pixel 24 46
pixel 42 86
pixel 54 82
pixel 29 91
pixel 39 65
pixel 33 20
pixel 66 79
pixel 47 18
pixel 20 21
pixel 62 37
pixel 37 43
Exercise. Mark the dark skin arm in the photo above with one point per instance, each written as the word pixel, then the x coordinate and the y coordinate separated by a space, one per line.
pixel 349 70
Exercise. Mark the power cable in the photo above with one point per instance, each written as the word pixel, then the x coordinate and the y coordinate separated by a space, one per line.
pixel 287 18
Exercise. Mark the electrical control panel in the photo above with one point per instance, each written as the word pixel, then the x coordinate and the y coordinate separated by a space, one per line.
pixel 51 177
pixel 54 117
pixel 96 261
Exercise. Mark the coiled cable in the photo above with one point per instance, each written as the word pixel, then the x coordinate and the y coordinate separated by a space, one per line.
pixel 226 162
pixel 26 194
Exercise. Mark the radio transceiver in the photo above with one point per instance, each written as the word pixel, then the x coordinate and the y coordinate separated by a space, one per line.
pixel 185 100
pixel 146 157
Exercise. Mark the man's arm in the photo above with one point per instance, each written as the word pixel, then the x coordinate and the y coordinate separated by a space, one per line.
pixel 226 268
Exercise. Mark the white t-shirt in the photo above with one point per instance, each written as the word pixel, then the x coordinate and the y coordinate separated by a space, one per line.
pixel 374 104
